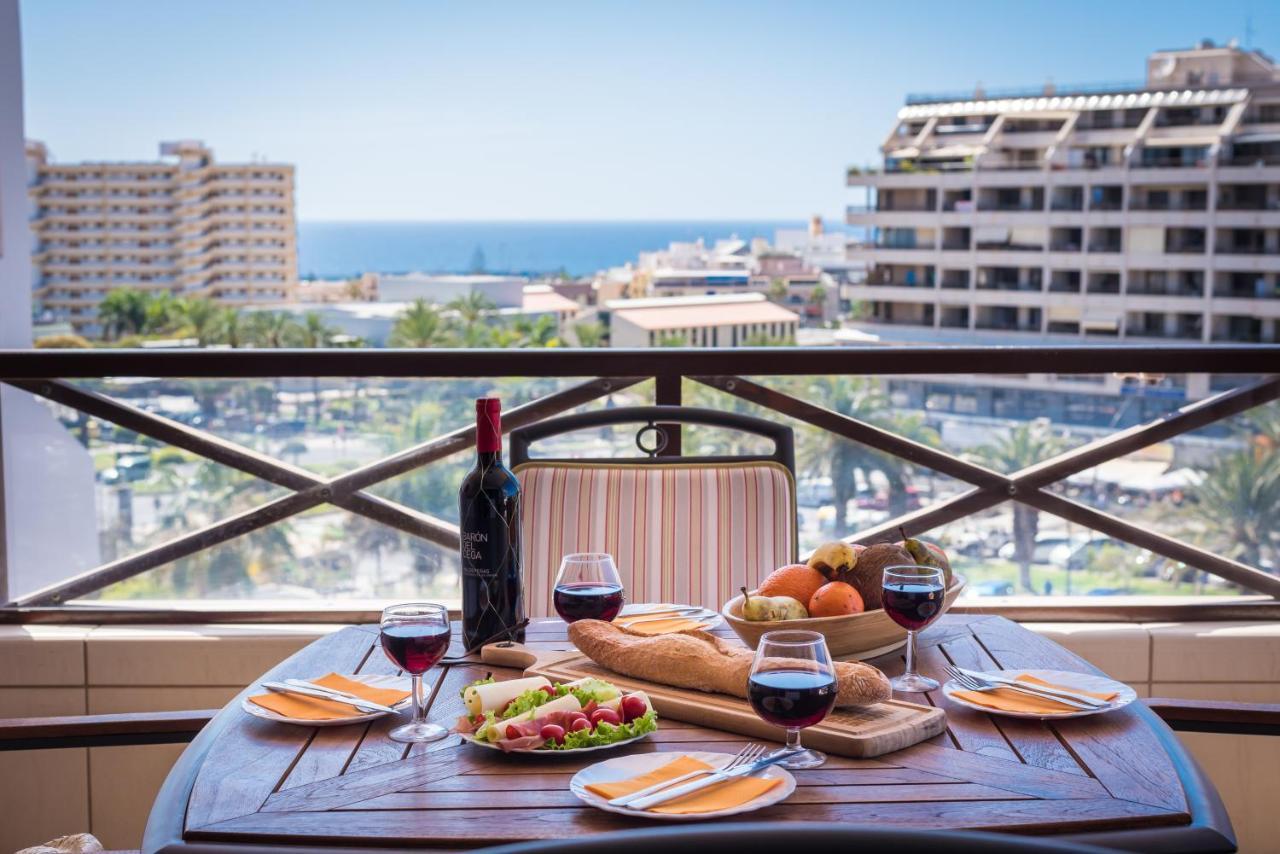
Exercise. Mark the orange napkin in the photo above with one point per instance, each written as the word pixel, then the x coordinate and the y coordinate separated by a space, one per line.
pixel 722 796
pixel 1005 700
pixel 315 709
pixel 658 627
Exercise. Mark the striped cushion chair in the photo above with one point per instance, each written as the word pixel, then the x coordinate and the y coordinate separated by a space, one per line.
pixel 689 530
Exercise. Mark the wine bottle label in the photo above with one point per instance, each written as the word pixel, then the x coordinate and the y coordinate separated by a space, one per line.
pixel 474 555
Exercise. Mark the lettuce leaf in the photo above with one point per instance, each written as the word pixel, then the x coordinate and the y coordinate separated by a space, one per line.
pixel 526 701
pixel 590 689
pixel 606 733
pixel 487 681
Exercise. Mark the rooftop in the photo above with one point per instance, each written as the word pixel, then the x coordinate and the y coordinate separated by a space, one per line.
pixel 690 316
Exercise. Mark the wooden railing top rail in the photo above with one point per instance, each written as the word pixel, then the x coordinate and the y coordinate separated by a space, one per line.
pixel 566 362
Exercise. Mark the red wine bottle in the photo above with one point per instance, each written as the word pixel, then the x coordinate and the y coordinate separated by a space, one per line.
pixel 492 569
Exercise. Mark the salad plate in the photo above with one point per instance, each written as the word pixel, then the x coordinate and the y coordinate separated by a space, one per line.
pixel 633 765
pixel 537 715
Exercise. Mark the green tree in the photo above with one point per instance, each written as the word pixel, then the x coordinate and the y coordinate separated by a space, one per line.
pixel 1024 445
pixel 123 311
pixel 421 326
pixel 163 313
pixel 200 319
pixel 471 310
pixel 1237 505
pixel 314 334
pixel 777 290
pixel 230 325
pixel 273 329
pixel 818 297
pixel 589 334
pixel 541 331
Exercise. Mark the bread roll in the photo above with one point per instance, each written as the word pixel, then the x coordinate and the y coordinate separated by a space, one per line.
pixel 698 660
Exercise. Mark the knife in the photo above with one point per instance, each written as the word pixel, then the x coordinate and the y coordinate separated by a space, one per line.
pixel 710 780
pixel 1033 688
pixel 336 693
pixel 325 694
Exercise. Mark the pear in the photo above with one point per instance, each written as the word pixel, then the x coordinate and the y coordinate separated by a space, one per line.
pixel 766 609
pixel 756 609
pixel 927 554
pixel 834 559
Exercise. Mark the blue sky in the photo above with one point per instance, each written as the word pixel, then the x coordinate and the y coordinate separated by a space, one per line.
pixel 558 110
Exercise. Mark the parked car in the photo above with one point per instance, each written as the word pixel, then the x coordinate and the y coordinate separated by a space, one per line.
pixel 994 587
pixel 1051 550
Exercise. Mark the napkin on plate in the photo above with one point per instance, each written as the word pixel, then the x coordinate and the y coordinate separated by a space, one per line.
pixel 1006 700
pixel 654 626
pixel 315 709
pixel 722 796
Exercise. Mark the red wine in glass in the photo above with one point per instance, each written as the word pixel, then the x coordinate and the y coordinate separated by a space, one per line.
pixel 792 698
pixel 415 648
pixel 912 604
pixel 587 600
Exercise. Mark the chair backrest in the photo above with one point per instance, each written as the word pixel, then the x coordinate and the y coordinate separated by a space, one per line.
pixel 681 529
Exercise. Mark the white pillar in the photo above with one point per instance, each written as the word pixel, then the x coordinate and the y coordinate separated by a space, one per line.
pixel 48 528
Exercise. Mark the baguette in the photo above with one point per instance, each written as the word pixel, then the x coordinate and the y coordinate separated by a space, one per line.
pixel 695 659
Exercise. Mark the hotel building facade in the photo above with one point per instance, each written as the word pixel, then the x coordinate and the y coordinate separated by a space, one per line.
pixel 184 225
pixel 1145 214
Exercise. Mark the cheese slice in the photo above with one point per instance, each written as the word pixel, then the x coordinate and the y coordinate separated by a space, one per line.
pixel 495 695
pixel 567 703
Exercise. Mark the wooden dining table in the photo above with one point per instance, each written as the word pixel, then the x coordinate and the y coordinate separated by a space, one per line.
pixel 1120 779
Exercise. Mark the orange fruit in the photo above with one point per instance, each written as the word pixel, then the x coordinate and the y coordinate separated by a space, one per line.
pixel 835 599
pixel 798 581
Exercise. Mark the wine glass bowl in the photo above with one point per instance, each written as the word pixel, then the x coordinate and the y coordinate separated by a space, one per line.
pixel 793 685
pixel 914 596
pixel 588 588
pixel 414 636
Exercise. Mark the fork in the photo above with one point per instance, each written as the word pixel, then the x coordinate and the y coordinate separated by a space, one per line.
pixel 972 683
pixel 750 753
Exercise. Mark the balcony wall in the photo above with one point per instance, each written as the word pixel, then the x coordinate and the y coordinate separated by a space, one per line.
pixel 53 670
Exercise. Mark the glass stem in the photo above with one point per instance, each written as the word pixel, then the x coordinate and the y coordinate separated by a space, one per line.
pixel 911 653
pixel 793 740
pixel 419 708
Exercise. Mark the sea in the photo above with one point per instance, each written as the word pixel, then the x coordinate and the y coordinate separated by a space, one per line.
pixel 340 249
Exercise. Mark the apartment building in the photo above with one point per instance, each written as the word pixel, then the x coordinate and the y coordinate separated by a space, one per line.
pixel 1146 213
pixel 184 224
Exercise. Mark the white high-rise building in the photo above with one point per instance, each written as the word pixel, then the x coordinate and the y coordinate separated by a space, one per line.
pixel 1142 214
pixel 183 224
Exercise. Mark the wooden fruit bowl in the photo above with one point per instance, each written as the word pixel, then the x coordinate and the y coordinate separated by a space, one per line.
pixel 858 636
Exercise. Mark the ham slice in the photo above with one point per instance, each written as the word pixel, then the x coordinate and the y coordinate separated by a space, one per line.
pixel 526 734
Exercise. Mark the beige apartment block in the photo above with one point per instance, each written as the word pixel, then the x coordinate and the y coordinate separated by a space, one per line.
pixel 1143 214
pixel 185 225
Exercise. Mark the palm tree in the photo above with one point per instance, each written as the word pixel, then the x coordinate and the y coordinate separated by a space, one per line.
pixel 230 326
pixel 777 290
pixel 315 334
pixel 123 312
pixel 589 334
pixel 421 326
pixel 273 329
pixel 1238 506
pixel 1026 444
pixel 163 313
pixel 471 309
pixel 200 316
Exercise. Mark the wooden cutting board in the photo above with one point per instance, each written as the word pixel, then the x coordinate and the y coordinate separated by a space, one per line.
pixel 859 732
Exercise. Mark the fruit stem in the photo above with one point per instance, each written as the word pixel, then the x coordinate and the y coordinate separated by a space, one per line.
pixel 903 532
pixel 746 597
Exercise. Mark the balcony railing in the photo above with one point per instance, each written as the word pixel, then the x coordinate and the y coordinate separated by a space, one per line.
pixel 45 374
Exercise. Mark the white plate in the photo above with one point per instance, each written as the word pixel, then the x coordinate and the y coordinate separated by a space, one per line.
pixel 625 767
pixel 403 683
pixel 573 752
pixel 1067 679
pixel 709 617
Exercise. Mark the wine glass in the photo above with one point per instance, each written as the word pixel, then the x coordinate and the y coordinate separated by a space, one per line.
pixel 793 685
pixel 588 588
pixel 415 636
pixel 913 598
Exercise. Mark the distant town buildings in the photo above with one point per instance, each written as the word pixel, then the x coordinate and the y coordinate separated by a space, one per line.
pixel 184 224
pixel 721 320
